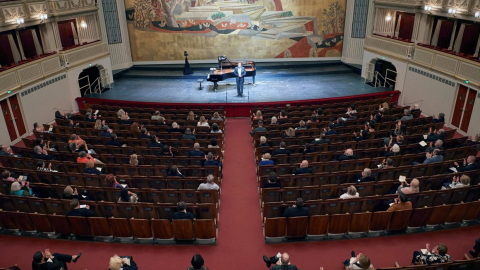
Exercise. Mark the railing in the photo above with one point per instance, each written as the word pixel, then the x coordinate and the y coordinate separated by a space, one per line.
pixel 401 2
pixel 29 72
pixel 68 6
pixel 83 53
pixel 453 65
pixel 388 46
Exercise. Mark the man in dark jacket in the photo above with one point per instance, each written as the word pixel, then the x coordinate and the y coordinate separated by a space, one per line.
pixel 297 210
pixel 260 128
pixel 469 164
pixel 303 168
pixel 188 135
pixel 182 212
pixel 282 150
pixel 56 261
pixel 77 211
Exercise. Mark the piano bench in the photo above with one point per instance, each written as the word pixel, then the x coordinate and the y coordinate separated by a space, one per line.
pixel 200 81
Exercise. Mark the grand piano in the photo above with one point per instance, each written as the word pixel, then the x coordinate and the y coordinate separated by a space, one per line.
pixel 226 68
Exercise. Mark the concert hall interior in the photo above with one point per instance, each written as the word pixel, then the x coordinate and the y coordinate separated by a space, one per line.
pixel 240 134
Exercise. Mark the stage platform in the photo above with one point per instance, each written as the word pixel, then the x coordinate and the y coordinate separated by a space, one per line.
pixel 273 83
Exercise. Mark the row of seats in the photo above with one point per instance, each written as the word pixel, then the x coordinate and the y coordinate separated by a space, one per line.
pixel 321 226
pixel 148 109
pixel 146 231
pixel 143 210
pixel 465 264
pixel 28 60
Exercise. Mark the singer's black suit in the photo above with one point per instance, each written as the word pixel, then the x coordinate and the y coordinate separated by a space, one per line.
pixel 240 80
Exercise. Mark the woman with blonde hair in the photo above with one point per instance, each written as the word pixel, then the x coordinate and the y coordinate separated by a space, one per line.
pixel 216 117
pixel 258 115
pixel 289 133
pixel 351 193
pixel 191 116
pixel 124 263
pixel 263 142
pixel 202 122
pixel 266 160
pixel 98 125
pixel 134 160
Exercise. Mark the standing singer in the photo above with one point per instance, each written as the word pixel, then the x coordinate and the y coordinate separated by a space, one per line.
pixel 240 73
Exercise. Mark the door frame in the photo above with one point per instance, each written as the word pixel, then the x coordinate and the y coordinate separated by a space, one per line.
pixel 452 111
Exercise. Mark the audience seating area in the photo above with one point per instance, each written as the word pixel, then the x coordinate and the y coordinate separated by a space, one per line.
pixel 150 220
pixel 331 217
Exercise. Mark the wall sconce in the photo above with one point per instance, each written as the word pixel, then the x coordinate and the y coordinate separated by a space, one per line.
pixel 389 18
pixel 428 8
pixel 83 24
pixel 43 17
pixel 452 11
pixel 477 14
pixel 20 21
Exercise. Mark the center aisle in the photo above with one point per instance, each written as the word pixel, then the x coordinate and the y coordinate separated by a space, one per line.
pixel 240 236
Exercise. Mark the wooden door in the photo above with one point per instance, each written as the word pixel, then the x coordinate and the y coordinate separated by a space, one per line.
pixel 467 112
pixel 459 104
pixel 8 120
pixel 17 115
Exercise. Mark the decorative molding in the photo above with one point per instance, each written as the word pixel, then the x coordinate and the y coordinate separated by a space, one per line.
pixel 431 76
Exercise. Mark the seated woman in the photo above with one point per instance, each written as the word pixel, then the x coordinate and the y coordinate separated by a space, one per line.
pixel 191 116
pixel 174 171
pixel 90 168
pixel 394 151
pixel 21 189
pixel 127 196
pixel 301 125
pixel 69 193
pixel 351 193
pixel 458 182
pixel 257 116
pixel 263 142
pixel 274 121
pixel 134 160
pixel 272 181
pixel 438 254
pixel 202 122
pixel 122 263
pixel 213 143
pixel 215 129
pixel 313 119
pixel 98 125
pixel 266 160
pixel 111 181
pixel 216 117
pixel 289 133
pixel 38 128
pixel 283 114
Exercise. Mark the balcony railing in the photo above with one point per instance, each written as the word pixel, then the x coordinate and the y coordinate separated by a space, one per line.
pixel 17 76
pixel 83 54
pixel 389 46
pixel 459 67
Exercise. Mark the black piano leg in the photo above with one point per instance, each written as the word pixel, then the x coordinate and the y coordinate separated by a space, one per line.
pixel 215 86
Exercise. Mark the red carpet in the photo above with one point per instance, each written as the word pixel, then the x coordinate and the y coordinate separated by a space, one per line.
pixel 240 236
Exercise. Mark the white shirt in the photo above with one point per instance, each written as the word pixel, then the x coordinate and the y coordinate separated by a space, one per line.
pixel 207 186
pixel 348 196
pixel 205 124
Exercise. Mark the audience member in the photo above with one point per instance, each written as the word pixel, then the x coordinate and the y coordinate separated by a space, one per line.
pixel 283 115
pixel 400 203
pixel 6 176
pixel 156 116
pixel 154 142
pixel 436 255
pixel 347 155
pixel 436 135
pixel 414 108
pixel 476 249
pixel 284 263
pixel 384 106
pixel 77 210
pixel 303 168
pixel 191 116
pixel 272 181
pixel 216 117
pixel 329 131
pixel 215 128
pixel 41 167
pixel 394 151
pixel 469 164
pixel 144 134
pixel 282 150
pixel 438 145
pixel 439 119
pixel 386 164
pixel 213 143
pixel 351 110
pixel 321 140
pixel 301 125
pixel 358 262
pixel 209 185
pixel 266 160
pixel 21 188
pixel 435 156
pixel 274 121
pixel 174 171
pixel 211 160
pixel 113 141
pixel 289 133
pixel 366 176
pixel 182 212
pixel 69 193
pixel 351 193
pixel 175 128
pixel 90 168
pixel 56 261
pixel 106 132
pixel 202 122
pixel 263 142
pixel 257 115
pixel 125 120
pixel 313 119
pixel 41 154
pixel 458 182
pixel 297 210
pixel 127 196
pixel 166 151
pixel 197 263
pixel 407 115
pixel 133 160
pixel 260 128
pixel 4 151
pixel 405 188
pixel 111 181
pixel 196 151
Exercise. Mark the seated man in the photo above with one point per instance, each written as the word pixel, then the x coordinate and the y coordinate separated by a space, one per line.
pixel 440 119
pixel 436 135
pixel 56 261
pixel 263 142
pixel 272 181
pixel 329 131
pixel 78 211
pixel 400 203
pixel 196 151
pixel 340 122
pixel 113 141
pixel 175 128
pixel 438 145
pixel 347 155
pixel 189 135
pixel 260 128
pixel 209 185
pixel 174 171
pixel 4 151
pixel 435 156
pixel 386 164
pixel 106 132
pixel 182 212
pixel 83 157
pixel 297 210
pixel 320 140
pixel 414 108
pixel 155 142
pixel 303 168
pixel 458 182
pixel 122 263
pixel 211 160
pixel 468 165
pixel 301 125
pixel 280 261
pixel 282 150
pixel 358 262
pixel 144 134
pixel 436 255
pixel 407 115
pixel 366 176
pixel 41 154
pixel 156 116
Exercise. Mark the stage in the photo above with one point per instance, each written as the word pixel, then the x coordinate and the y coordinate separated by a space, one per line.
pixel 273 84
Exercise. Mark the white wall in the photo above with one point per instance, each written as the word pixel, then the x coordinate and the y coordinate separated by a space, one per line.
pixel 434 92
pixel 90 33
pixel 4 137
pixel 40 105
pixel 352 52
pixel 381 25
pixel 73 74
pixel 399 65
pixel 120 53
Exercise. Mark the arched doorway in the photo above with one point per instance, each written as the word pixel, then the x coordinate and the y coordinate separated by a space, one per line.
pixel 89 81
pixel 386 73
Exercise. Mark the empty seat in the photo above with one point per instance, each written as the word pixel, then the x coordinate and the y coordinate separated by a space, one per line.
pixel 297 226
pixel 183 229
pixel 275 227
pixel 205 231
